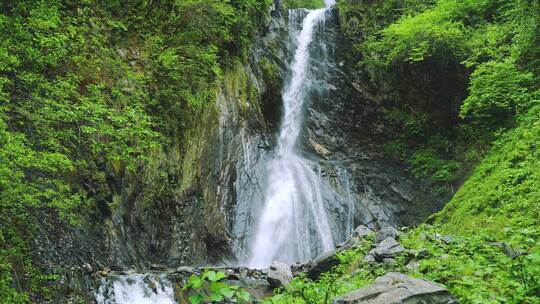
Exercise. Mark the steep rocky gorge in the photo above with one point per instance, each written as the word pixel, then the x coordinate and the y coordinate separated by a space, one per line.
pixel 195 206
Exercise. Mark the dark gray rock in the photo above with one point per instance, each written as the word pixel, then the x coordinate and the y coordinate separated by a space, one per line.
pixel 156 267
pixel 323 264
pixel 279 275
pixel 185 269
pixel 327 261
pixel 358 234
pixel 387 249
pixel 386 232
pixel 361 232
pixel 397 288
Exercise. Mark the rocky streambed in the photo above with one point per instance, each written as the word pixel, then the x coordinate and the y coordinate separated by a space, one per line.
pixel 162 285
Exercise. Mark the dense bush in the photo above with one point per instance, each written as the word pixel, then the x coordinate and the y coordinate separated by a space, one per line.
pixel 498 92
pixel 304 3
pixel 445 72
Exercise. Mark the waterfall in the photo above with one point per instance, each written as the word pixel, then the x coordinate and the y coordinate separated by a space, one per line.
pixel 302 206
pixel 293 225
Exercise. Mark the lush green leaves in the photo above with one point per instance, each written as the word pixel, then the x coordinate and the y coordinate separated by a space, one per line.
pixel 452 72
pixel 304 3
pixel 498 92
pixel 210 286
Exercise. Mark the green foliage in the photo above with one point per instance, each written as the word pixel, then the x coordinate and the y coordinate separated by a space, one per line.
pixel 310 4
pixel 477 268
pixel 210 287
pixel 498 92
pixel 503 189
pixel 345 277
pixel 426 162
pixel 485 244
pixel 474 267
pixel 415 38
pixel 361 19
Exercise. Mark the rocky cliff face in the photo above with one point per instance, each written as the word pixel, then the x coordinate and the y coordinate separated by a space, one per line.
pixel 193 206
pixel 191 219
pixel 180 208
pixel 339 135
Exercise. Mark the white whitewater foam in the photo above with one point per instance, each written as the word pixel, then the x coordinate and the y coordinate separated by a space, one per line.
pixel 135 289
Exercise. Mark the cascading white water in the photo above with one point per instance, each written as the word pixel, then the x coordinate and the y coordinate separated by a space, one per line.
pixel 293 225
pixel 135 289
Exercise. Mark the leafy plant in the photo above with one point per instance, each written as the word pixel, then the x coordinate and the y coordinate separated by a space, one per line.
pixel 210 287
pixel 499 91
pixel 310 4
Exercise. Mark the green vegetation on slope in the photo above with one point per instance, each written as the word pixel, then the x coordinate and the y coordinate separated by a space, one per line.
pixel 90 92
pixel 503 191
pixel 447 75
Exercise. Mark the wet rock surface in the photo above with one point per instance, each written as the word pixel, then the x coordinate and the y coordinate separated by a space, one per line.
pixel 279 275
pixel 397 288
pixel 259 283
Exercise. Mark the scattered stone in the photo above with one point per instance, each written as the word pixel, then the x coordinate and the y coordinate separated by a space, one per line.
pixel 387 249
pixel 413 265
pixel 279 275
pixel 361 232
pixel 185 269
pixel 422 254
pixel 322 264
pixel 397 288
pixel 358 234
pixel 387 232
pixel 444 238
pixel 369 259
pixel 509 251
pixel 158 267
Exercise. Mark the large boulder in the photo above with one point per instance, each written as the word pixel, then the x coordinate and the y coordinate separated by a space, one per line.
pixel 397 288
pixel 279 275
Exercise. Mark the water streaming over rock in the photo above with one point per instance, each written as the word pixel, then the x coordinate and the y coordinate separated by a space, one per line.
pixel 293 225
pixel 135 289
